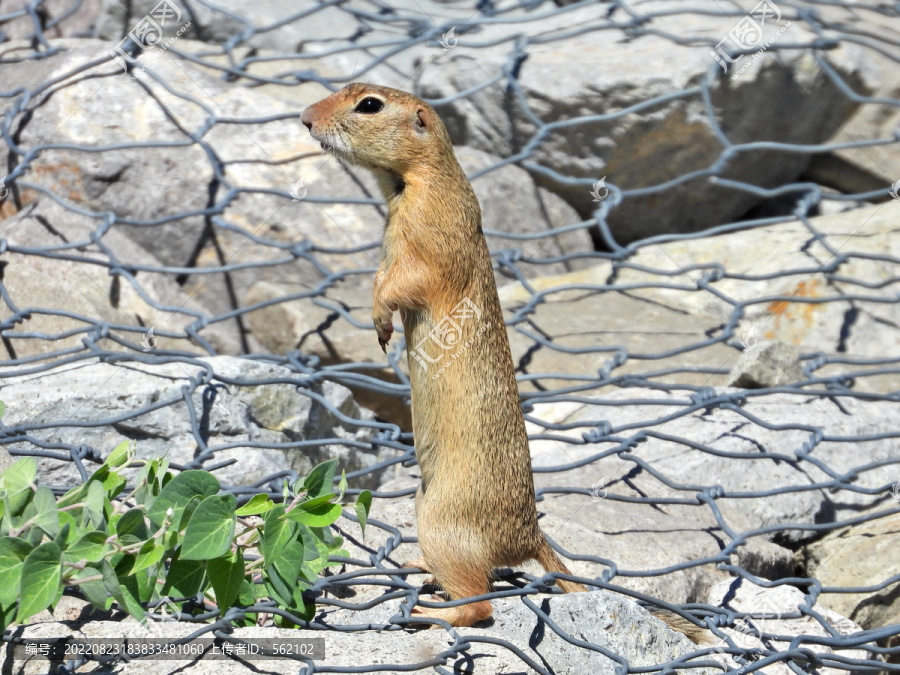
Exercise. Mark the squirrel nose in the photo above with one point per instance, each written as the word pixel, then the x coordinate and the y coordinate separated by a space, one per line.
pixel 306 118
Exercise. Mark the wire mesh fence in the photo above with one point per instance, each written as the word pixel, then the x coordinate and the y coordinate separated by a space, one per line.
pixel 674 194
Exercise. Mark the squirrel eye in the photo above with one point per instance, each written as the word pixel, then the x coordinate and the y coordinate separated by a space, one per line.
pixel 369 105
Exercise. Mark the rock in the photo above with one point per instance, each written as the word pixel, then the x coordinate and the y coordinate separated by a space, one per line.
pixel 771 364
pixel 638 457
pixel 605 619
pixel 867 166
pixel 770 613
pixel 796 293
pixel 59 18
pixel 511 204
pixel 308 217
pixel 69 292
pixel 143 185
pixel 610 621
pixel 861 556
pixel 247 407
pixel 69 608
pixel 625 145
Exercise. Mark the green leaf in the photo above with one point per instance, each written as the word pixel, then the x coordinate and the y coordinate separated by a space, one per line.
pixel 362 506
pixel 149 554
pixel 13 552
pixel 320 480
pixel 279 586
pixel 185 578
pixel 324 499
pixel 122 454
pixel 113 484
pixel 17 480
pixel 211 528
pixel 247 595
pixel 94 504
pixel 178 493
pixel 68 530
pixel 226 574
pixel 186 514
pixel 47 517
pixel 41 577
pixel 276 532
pixel 317 515
pixel 258 504
pixel 132 522
pixel 19 475
pixel 126 591
pixel 91 547
pixel 2 408
pixel 342 486
pixel 95 591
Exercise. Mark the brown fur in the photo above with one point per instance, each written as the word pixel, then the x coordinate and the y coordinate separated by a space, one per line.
pixel 475 507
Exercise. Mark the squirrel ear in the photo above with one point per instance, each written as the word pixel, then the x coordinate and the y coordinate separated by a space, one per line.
pixel 423 120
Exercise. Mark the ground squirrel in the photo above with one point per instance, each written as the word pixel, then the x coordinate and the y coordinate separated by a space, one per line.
pixel 476 506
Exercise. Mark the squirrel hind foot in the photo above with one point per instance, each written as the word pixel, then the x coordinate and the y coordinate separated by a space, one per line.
pixel 461 617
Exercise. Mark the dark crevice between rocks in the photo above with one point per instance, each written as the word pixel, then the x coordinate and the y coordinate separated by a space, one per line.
pixel 850 317
pixel 321 331
pixel 525 359
pixel 656 303
pixel 628 479
pixel 133 434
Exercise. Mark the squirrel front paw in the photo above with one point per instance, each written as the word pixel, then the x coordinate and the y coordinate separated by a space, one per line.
pixel 384 326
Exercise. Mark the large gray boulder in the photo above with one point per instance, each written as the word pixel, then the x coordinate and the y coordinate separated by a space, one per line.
pixel 282 213
pixel 56 270
pixel 862 556
pixel 641 147
pixel 792 286
pixel 252 409
pixel 609 621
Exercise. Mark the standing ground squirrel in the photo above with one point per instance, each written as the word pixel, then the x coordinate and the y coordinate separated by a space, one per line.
pixel 475 508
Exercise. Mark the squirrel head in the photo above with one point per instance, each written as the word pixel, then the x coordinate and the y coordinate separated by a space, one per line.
pixel 381 129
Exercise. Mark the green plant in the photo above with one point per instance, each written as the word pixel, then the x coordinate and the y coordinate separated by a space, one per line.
pixel 171 535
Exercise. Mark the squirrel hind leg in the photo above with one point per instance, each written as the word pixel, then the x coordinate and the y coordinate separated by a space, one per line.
pixel 459 583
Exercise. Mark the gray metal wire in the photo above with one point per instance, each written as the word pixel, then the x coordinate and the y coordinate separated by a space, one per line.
pixel 380 35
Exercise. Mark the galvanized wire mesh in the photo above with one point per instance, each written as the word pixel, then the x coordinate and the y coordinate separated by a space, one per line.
pixel 320 47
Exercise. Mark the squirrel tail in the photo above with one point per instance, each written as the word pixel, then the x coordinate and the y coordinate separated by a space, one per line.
pixel 548 559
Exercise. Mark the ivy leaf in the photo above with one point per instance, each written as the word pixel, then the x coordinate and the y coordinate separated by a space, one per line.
pixel 276 532
pixel 41 577
pixel 362 506
pixel 317 515
pixel 226 574
pixel 320 480
pixel 211 528
pixel 17 480
pixel 258 504
pixel 13 552
pixel 179 492
pixel 95 590
pixel 122 454
pixel 132 522
pixel 91 547
pixel 149 554
pixel 47 517
pixel 185 578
